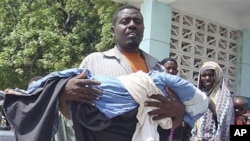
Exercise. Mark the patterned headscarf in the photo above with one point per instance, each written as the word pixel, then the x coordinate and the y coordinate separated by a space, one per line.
pixel 206 127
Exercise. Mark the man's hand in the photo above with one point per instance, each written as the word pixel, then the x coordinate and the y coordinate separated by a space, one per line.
pixel 167 107
pixel 78 89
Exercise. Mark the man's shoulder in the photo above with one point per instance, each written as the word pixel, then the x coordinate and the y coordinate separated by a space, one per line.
pixel 148 56
pixel 152 62
pixel 110 52
pixel 94 54
pixel 100 58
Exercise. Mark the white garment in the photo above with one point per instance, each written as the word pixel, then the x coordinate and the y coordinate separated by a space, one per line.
pixel 140 86
pixel 197 104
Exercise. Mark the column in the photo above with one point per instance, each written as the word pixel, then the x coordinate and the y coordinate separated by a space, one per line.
pixel 157 20
pixel 243 80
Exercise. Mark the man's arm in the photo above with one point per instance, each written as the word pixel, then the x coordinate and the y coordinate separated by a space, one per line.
pixel 63 107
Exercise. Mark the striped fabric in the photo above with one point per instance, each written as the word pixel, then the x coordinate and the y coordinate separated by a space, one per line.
pixel 113 63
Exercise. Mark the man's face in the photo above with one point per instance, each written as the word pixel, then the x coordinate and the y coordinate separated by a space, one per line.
pixel 171 67
pixel 128 30
pixel 208 79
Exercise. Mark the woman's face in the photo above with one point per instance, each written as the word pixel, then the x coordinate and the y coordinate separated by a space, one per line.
pixel 207 79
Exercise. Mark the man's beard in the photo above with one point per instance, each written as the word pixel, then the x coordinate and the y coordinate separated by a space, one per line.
pixel 132 43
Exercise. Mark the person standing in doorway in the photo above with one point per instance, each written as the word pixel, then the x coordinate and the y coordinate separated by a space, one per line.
pixel 170 65
pixel 182 132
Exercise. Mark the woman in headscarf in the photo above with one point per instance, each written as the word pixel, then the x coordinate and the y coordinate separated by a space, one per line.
pixel 215 123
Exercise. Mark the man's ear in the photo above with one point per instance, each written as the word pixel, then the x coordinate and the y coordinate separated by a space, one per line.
pixel 112 31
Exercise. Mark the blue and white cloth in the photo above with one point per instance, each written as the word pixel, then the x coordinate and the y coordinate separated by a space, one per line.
pixel 116 99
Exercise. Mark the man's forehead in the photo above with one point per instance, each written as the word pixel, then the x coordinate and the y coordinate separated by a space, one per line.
pixel 129 13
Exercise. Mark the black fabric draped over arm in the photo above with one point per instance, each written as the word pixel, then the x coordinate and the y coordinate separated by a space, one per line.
pixel 32 116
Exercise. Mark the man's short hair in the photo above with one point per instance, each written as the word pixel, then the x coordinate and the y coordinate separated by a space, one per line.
pixel 115 16
pixel 168 59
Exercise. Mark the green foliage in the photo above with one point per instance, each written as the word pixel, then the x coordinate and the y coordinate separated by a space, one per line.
pixel 107 41
pixel 41 36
